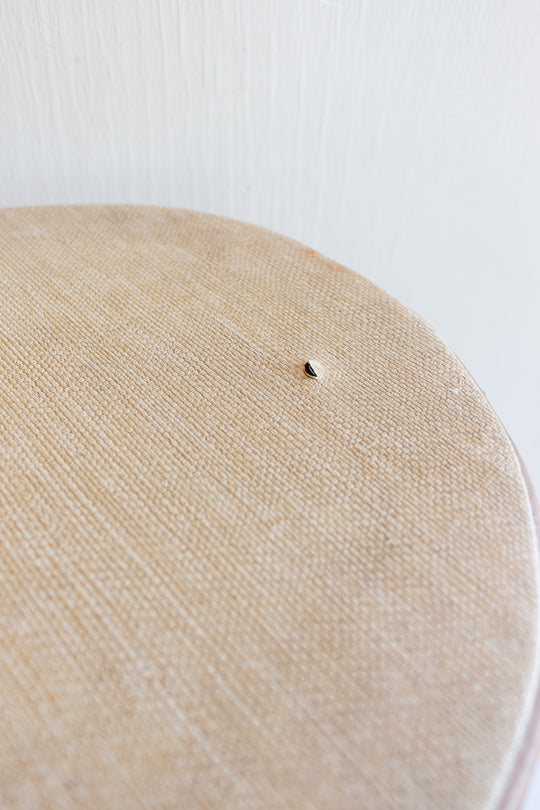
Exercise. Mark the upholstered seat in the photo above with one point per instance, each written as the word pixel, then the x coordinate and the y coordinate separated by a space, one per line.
pixel 226 582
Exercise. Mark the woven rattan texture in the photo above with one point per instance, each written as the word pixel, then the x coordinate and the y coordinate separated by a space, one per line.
pixel 225 584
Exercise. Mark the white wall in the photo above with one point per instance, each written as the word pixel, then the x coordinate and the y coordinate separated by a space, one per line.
pixel 401 137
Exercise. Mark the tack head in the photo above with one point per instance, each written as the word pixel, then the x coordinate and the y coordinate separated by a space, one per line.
pixel 309 370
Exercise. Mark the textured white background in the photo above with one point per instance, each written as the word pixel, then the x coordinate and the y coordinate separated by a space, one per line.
pixel 400 137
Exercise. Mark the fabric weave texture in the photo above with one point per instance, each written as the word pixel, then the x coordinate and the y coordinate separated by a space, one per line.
pixel 223 583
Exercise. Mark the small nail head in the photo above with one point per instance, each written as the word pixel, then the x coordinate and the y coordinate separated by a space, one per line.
pixel 309 370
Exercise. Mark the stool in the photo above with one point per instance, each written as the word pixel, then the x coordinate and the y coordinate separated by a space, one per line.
pixel 263 542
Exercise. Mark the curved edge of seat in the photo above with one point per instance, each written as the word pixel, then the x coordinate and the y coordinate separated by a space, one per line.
pixel 528 753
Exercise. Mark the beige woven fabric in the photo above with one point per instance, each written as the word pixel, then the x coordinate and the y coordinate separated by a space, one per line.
pixel 225 584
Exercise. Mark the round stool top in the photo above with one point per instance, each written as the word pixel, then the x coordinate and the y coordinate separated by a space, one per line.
pixel 232 580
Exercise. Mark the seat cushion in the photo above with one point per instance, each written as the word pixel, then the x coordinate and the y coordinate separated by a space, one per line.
pixel 228 581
